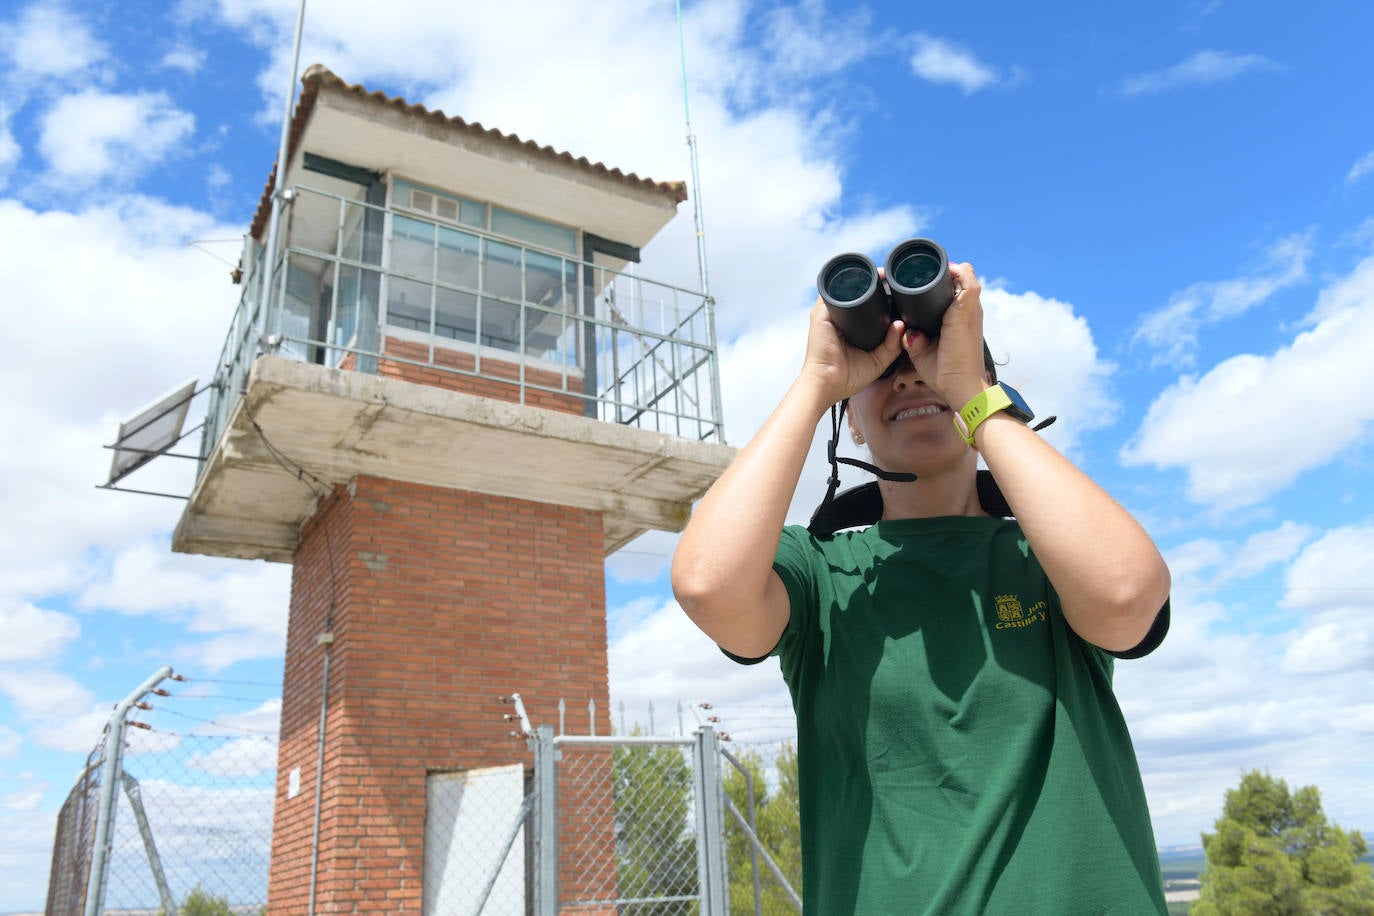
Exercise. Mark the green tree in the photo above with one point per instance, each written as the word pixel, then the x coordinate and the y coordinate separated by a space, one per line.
pixel 1275 853
pixel 777 824
pixel 202 903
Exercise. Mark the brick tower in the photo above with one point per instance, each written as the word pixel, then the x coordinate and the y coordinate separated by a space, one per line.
pixel 450 405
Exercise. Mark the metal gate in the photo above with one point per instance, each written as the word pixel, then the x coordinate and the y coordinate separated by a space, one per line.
pixel 628 824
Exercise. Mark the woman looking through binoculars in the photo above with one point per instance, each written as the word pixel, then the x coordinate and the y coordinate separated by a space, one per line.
pixel 960 748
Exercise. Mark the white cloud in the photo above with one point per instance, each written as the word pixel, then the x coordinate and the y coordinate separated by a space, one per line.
pixel 199 823
pixel 1362 167
pixel 266 717
pixel 803 41
pixel 1268 548
pixel 10 151
pixel 10 742
pixel 1203 68
pixel 1236 686
pixel 26 799
pixel 217 178
pixel 33 633
pixel 696 673
pixel 1173 330
pixel 1231 429
pixel 644 559
pixel 241 606
pixel 187 60
pixel 44 694
pixel 1189 563
pixel 150 741
pixel 250 756
pixel 120 272
pixel 93 136
pixel 1334 642
pixel 1046 351
pixel 1215 700
pixel 939 61
pixel 1334 572
pixel 47 41
pixel 75 732
pixel 215 595
pixel 25 858
pixel 219 652
pixel 1209 564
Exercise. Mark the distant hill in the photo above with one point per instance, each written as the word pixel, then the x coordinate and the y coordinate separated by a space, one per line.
pixel 1181 863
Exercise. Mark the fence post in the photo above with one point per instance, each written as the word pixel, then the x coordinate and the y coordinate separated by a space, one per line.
pixel 104 815
pixel 546 819
pixel 135 795
pixel 710 793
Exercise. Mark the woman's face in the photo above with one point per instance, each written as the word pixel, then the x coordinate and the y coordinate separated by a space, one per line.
pixel 906 425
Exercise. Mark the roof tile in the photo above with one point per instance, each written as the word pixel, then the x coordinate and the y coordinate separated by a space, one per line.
pixel 318 76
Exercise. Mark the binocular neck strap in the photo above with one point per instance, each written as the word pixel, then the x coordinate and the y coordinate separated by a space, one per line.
pixel 836 421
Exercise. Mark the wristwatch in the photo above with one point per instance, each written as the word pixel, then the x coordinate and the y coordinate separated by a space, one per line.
pixel 984 404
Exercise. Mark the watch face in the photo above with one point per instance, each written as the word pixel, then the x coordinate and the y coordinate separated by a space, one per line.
pixel 1019 408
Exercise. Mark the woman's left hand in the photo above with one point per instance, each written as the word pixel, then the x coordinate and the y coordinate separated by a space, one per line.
pixel 953 363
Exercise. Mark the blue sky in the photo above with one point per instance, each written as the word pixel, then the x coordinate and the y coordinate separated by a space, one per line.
pixel 1171 206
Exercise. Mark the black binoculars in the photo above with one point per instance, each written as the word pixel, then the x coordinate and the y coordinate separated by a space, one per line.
pixel 918 290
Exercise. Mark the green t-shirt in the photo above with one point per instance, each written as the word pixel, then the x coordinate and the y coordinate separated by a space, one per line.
pixel 960 749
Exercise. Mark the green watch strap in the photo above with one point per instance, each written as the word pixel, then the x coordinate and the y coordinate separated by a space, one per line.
pixel 981 406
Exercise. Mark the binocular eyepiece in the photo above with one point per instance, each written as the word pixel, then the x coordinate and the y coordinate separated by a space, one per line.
pixel 918 289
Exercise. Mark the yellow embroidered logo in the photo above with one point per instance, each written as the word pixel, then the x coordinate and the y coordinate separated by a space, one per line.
pixel 1010 614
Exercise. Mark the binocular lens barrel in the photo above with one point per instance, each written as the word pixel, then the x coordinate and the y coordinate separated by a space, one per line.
pixel 920 285
pixel 851 280
pixel 856 300
pixel 918 290
pixel 916 268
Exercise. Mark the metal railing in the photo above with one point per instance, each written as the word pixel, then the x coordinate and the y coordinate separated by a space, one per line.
pixel 370 289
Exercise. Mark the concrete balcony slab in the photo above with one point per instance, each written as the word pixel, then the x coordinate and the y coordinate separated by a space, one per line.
pixel 251 501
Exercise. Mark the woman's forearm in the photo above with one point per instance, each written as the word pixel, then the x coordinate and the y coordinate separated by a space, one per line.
pixel 1109 574
pixel 722 572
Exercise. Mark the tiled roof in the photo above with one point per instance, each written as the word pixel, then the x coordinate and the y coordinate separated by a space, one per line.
pixel 319 76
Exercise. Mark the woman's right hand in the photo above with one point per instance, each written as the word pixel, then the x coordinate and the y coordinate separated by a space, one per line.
pixel 840 369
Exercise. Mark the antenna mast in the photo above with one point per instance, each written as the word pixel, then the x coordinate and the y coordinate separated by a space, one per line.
pixel 274 222
pixel 696 175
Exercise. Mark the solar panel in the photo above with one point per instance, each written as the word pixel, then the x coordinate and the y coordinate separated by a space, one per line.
pixel 150 432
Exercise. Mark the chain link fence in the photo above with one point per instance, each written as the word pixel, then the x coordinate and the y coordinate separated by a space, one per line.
pixel 193 823
pixel 635 824
pixel 74 840
pixel 166 822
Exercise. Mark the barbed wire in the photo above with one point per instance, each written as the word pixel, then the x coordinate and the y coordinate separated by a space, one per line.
pixel 182 715
pixel 207 680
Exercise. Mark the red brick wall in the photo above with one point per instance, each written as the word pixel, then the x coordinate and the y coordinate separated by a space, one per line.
pixel 500 378
pixel 443 601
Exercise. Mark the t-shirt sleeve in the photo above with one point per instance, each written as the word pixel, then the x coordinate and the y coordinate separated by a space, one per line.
pixel 793 564
pixel 1150 642
pixel 1158 630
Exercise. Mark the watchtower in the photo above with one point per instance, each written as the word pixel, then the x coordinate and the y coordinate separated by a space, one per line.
pixel 454 400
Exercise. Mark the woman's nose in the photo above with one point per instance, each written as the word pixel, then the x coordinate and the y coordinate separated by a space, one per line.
pixel 903 372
